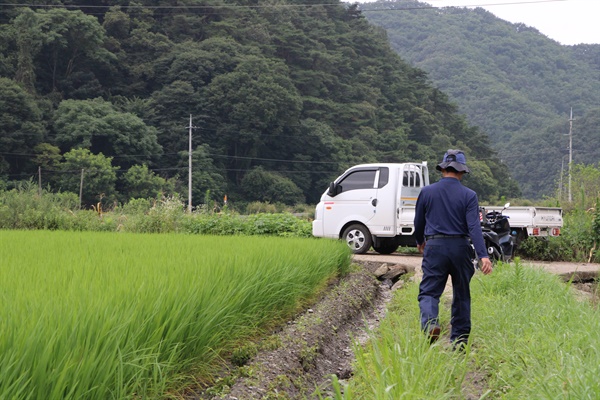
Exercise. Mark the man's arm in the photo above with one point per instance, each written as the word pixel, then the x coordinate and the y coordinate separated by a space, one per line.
pixel 419 223
pixel 474 226
pixel 476 235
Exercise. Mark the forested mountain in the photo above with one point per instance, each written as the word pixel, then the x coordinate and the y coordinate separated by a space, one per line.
pixel 509 79
pixel 284 96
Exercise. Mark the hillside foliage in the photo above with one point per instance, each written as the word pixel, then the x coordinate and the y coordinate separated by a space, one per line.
pixel 282 97
pixel 512 81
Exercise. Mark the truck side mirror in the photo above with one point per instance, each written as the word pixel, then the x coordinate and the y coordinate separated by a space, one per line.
pixel 334 189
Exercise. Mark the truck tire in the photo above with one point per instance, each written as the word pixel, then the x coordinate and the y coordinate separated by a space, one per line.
pixel 386 246
pixel 358 238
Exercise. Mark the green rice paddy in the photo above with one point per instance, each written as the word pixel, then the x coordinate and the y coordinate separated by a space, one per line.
pixel 116 316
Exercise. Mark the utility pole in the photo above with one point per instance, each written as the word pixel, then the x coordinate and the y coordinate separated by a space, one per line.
pixel 190 167
pixel 81 189
pixel 570 151
pixel 39 180
pixel 560 186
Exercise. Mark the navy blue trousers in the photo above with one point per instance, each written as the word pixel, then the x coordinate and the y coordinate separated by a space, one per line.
pixel 442 258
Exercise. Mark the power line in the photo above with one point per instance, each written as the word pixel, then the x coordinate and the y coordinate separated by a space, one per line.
pixel 264 6
pixel 432 7
pixel 194 7
pixel 122 171
pixel 26 155
pixel 186 7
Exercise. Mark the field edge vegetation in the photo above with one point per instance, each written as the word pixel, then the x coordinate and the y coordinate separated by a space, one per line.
pixel 27 209
pixel 531 338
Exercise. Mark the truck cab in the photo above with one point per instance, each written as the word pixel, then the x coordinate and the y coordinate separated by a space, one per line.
pixel 372 205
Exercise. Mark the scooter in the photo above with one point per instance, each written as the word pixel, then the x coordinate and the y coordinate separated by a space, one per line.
pixel 499 241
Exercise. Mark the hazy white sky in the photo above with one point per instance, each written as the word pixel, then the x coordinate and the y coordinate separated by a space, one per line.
pixel 566 21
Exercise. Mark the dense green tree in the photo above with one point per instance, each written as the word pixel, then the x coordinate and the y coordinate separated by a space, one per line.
pixel 48 159
pixel 73 48
pixel 268 186
pixel 47 155
pixel 207 176
pixel 311 167
pixel 172 107
pixel 141 183
pixel 29 42
pixel 140 51
pixel 94 170
pixel 251 109
pixel 97 126
pixel 21 127
pixel 116 23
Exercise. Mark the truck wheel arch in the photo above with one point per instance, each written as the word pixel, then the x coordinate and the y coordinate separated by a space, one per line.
pixel 357 236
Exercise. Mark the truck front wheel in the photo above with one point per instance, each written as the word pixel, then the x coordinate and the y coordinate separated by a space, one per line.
pixel 358 238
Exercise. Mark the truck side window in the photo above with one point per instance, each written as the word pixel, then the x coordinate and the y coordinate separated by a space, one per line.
pixel 358 180
pixel 384 176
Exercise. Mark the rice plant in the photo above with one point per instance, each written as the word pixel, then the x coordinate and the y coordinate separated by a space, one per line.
pixel 117 316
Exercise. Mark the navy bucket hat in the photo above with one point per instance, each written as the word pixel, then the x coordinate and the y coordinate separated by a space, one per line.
pixel 454 159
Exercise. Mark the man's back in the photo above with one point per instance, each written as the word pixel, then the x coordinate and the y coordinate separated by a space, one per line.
pixel 446 204
pixel 449 208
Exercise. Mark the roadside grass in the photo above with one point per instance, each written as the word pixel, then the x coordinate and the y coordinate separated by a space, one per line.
pixel 531 339
pixel 93 315
pixel 25 209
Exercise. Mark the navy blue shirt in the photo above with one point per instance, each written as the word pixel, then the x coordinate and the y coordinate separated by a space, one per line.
pixel 449 208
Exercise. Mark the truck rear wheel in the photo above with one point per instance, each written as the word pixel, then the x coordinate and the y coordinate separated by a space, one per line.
pixel 358 238
pixel 386 246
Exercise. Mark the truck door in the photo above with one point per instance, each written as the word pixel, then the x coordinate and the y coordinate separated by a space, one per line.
pixel 384 214
pixel 355 199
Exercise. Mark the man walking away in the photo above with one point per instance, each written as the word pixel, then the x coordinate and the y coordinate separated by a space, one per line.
pixel 446 215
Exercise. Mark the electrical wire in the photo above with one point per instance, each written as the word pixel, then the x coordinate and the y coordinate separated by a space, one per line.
pixel 267 6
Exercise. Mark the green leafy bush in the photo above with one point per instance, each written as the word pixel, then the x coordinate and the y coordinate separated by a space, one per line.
pixel 574 244
pixel 24 208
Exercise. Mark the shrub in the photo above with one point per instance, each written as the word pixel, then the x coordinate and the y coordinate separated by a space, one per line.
pixel 574 244
pixel 24 208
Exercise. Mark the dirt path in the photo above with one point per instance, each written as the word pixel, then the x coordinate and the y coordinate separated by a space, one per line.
pixel 580 271
pixel 298 361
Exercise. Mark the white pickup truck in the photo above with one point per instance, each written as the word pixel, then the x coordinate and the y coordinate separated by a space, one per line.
pixel 373 205
pixel 532 221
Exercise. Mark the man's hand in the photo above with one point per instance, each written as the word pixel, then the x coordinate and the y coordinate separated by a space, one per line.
pixel 421 247
pixel 486 266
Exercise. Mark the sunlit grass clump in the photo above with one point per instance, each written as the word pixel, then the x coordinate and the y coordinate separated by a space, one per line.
pixel 531 339
pixel 116 316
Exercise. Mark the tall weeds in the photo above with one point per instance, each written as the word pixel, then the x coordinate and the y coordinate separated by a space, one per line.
pixel 531 339
pixel 579 240
pixel 24 208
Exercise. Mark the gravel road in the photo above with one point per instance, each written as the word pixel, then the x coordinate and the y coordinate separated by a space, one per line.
pixel 581 271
